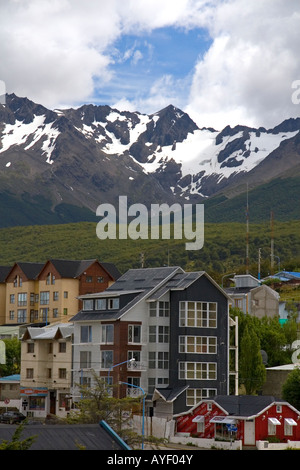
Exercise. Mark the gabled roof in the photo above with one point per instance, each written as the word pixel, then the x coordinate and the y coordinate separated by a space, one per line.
pixel 49 332
pixel 31 270
pixel 242 406
pixel 74 268
pixel 148 283
pixel 68 437
pixel 168 394
pixel 4 271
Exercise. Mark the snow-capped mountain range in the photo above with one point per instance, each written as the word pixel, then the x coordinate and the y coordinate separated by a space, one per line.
pixel 90 155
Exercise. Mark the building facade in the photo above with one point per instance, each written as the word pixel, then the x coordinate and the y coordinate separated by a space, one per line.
pixel 246 418
pixel 46 371
pixel 43 293
pixel 252 297
pixel 156 329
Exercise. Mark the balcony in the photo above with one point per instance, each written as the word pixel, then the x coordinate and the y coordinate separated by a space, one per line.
pixel 137 366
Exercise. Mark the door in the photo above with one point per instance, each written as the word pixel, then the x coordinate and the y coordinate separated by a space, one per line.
pixel 52 403
pixel 249 433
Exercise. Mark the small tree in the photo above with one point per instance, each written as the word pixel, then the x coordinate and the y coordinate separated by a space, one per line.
pixel 252 370
pixel 97 404
pixel 291 388
pixel 16 443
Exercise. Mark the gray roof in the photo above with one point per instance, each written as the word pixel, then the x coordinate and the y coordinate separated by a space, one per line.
pixel 168 394
pixel 50 332
pixel 147 283
pixel 142 281
pixel 4 271
pixel 245 405
pixel 31 270
pixel 66 437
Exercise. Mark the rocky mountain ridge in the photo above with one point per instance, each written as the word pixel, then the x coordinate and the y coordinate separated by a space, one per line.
pixel 64 163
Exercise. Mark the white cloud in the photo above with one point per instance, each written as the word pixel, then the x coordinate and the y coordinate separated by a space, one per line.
pixel 57 52
pixel 247 74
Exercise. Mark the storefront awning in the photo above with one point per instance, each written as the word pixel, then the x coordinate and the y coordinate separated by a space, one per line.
pixel 36 392
pixel 198 419
pixel 222 420
pixel 274 421
pixel 290 421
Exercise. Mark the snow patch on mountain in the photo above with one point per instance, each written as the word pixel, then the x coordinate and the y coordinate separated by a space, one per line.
pixel 20 133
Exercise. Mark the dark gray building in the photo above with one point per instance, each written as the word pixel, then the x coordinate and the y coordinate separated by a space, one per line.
pixel 174 324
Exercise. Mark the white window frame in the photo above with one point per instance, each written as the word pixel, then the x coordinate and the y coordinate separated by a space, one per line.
pixel 197 344
pixel 197 370
pixel 198 314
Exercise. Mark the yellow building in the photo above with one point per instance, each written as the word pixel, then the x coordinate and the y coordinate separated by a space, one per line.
pixel 46 370
pixel 46 293
pixel 4 270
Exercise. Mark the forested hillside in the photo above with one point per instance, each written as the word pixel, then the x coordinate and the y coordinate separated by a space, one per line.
pixel 224 248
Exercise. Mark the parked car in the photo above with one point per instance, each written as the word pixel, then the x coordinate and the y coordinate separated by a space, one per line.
pixel 12 417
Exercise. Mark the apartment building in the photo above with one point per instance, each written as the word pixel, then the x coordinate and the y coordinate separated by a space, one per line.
pixel 46 370
pixel 43 293
pixel 161 331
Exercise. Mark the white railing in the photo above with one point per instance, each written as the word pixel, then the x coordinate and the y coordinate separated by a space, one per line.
pixel 136 365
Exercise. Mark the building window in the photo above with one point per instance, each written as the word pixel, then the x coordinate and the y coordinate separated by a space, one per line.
pixel 55 312
pixel 158 334
pixel 198 314
pixel 29 373
pixel 85 359
pixel 50 348
pixel 113 304
pixel 194 395
pixel 107 335
pixel 238 303
pixel 100 279
pixel 88 278
pixel 197 370
pixel 158 360
pixel 100 304
pixel 65 294
pixel 134 391
pixel 22 315
pixel 88 304
pixel 198 344
pixel 12 298
pixel 11 314
pixel 62 373
pixel 86 334
pixel 32 297
pixel 22 299
pixel 134 333
pixel 106 359
pixel 136 355
pixel 49 373
pixel 288 426
pixel 44 314
pixel 163 360
pixel 44 298
pixel 62 347
pixel 159 309
pixel 65 311
pixel 30 348
pixel 55 295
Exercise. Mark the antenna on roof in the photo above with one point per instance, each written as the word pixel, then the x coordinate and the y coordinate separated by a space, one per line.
pixel 247 234
pixel 272 243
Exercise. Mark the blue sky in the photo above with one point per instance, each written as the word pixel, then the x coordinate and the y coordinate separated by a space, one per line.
pixel 139 61
pixel 222 61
